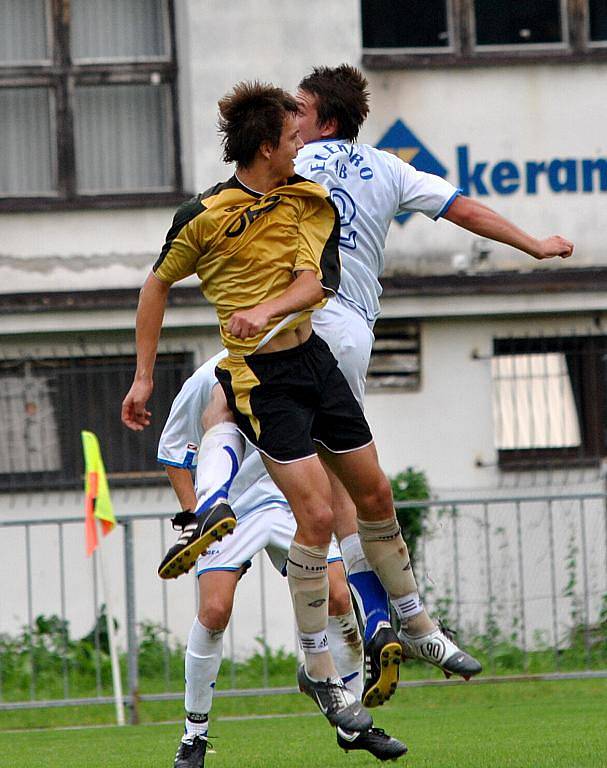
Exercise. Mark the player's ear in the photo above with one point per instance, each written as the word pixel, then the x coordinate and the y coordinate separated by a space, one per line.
pixel 266 149
pixel 329 129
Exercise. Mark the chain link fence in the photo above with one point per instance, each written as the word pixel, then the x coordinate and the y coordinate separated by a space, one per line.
pixel 523 580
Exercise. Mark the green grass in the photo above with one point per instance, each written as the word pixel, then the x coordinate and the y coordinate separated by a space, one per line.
pixel 506 725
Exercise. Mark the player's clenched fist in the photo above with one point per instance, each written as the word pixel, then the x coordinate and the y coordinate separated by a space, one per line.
pixel 554 246
pixel 248 322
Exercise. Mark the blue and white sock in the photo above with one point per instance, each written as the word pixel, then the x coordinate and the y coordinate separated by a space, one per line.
pixel 371 598
pixel 219 459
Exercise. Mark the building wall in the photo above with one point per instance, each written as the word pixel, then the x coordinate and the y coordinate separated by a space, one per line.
pixel 492 115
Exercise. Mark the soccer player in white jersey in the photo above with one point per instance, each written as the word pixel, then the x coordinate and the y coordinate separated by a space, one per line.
pixel 264 522
pixel 369 187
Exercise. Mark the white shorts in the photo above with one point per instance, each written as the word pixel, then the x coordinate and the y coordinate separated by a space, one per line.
pixel 350 340
pixel 271 528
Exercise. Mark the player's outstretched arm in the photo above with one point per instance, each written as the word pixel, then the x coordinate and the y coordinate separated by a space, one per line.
pixel 483 221
pixel 304 292
pixel 150 313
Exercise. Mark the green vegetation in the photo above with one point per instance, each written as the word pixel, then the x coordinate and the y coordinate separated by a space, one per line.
pixel 411 485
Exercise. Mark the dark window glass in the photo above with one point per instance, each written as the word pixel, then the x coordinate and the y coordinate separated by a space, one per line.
pixel 518 22
pixel 45 403
pixel 598 20
pixel 405 24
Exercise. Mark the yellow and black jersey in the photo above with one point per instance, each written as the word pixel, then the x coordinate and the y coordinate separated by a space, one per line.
pixel 245 247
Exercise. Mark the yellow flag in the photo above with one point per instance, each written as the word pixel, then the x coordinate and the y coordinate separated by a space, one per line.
pixel 96 490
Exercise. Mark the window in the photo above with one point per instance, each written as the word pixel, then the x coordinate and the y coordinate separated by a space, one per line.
pixel 45 403
pixel 414 33
pixel 396 356
pixel 597 22
pixel 420 25
pixel 87 104
pixel 549 398
pixel 518 23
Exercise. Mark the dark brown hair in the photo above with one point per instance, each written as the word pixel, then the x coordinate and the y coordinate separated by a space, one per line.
pixel 252 114
pixel 342 94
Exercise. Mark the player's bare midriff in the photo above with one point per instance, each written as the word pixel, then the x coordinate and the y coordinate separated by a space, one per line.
pixel 288 339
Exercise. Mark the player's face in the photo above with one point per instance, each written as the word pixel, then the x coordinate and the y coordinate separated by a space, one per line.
pixel 285 153
pixel 307 117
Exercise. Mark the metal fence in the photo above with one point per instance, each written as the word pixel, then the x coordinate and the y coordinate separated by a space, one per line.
pixel 522 579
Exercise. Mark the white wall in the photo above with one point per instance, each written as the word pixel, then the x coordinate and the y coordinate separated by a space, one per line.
pixel 499 113
pixel 447 427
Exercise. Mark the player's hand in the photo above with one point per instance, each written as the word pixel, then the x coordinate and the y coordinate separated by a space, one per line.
pixel 134 414
pixel 554 246
pixel 248 322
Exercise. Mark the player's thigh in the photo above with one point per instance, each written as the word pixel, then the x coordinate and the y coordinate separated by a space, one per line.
pixel 217 411
pixel 363 478
pixel 306 487
pixel 344 509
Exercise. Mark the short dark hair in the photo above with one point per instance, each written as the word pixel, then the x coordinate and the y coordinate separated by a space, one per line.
pixel 252 114
pixel 342 94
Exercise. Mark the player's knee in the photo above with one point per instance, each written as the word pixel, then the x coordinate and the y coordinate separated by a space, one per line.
pixel 339 599
pixel 215 612
pixel 316 524
pixel 376 500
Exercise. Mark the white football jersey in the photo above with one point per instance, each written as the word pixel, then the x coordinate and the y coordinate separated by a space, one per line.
pixel 252 488
pixel 370 187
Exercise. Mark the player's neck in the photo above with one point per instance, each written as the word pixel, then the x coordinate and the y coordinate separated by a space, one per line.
pixel 258 178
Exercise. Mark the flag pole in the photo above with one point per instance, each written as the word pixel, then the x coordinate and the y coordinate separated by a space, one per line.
pixel 111 633
pixel 98 506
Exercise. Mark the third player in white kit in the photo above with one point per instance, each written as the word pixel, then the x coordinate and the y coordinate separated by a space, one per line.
pixel 264 522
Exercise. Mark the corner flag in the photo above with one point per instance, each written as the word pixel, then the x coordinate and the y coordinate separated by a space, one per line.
pixel 97 504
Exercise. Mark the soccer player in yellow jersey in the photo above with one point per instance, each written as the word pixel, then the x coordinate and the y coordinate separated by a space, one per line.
pixel 265 247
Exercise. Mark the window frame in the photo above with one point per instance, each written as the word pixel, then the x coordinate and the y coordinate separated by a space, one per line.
pixel 596 44
pixel 589 352
pixel 61 76
pixel 434 51
pixel 576 46
pixel 67 372
pixel 387 329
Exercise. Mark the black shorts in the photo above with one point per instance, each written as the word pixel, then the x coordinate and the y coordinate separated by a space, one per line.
pixel 285 402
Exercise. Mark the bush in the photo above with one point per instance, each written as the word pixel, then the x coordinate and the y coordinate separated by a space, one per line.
pixel 411 485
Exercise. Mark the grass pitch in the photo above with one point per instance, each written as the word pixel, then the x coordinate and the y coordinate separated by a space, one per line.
pixel 505 725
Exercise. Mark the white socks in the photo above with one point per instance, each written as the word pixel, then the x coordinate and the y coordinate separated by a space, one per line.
pixel 219 458
pixel 202 661
pixel 346 649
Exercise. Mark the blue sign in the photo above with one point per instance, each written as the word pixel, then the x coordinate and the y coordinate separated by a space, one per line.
pixel 401 141
pixel 504 177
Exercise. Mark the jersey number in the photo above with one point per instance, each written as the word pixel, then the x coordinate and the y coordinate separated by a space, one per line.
pixel 346 207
